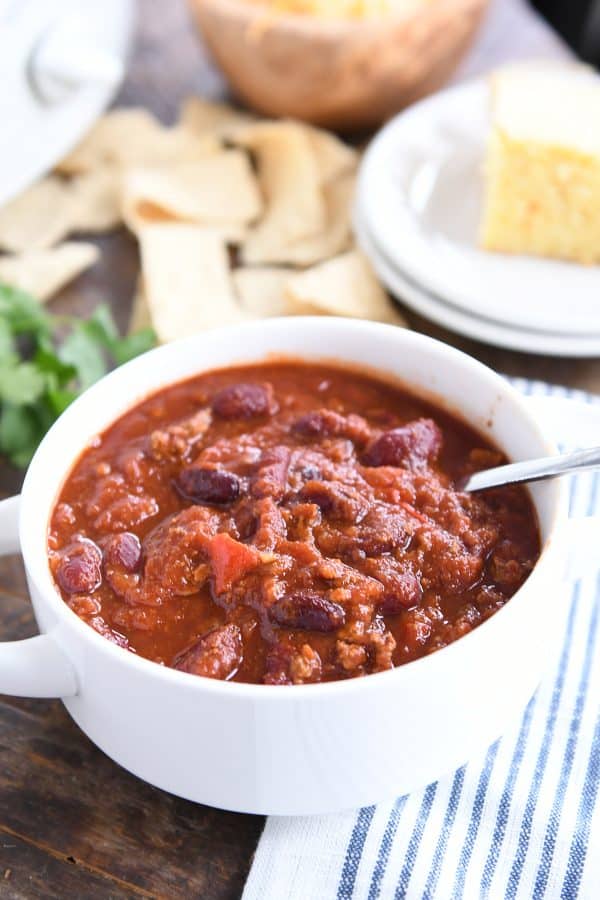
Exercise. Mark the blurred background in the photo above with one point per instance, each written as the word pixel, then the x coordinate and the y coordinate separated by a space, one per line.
pixel 579 23
pixel 163 86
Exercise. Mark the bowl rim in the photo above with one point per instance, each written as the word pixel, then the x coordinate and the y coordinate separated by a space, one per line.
pixel 38 570
pixel 260 19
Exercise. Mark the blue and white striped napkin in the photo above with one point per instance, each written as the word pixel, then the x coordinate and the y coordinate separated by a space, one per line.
pixel 521 821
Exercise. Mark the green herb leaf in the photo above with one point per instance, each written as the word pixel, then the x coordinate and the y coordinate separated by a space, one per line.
pixel 102 325
pixel 81 350
pixel 21 384
pixel 22 312
pixel 20 433
pixel 39 376
pixel 59 399
pixel 47 361
pixel 7 345
pixel 131 346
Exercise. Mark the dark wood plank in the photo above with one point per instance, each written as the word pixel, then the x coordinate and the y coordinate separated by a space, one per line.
pixel 12 577
pixel 168 63
pixel 17 619
pixel 61 793
pixel 29 871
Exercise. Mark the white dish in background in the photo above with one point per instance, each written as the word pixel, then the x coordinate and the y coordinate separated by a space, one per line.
pixel 422 189
pixel 62 62
pixel 437 310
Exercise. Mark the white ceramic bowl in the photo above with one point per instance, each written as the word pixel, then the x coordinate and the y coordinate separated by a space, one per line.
pixel 303 749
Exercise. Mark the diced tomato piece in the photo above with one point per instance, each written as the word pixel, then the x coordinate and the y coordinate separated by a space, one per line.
pixel 231 560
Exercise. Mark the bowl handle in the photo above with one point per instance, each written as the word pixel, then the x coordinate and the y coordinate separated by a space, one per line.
pixel 35 667
pixel 560 416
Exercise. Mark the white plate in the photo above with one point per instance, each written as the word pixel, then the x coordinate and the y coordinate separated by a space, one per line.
pixel 421 180
pixel 435 309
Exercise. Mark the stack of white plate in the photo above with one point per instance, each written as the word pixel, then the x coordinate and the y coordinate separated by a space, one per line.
pixel 417 215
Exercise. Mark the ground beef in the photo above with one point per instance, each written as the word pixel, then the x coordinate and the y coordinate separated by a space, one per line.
pixel 286 525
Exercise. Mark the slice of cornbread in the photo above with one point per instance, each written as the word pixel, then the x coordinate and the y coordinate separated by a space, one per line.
pixel 542 172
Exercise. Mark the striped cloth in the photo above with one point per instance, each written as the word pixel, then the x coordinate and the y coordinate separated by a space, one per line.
pixel 521 821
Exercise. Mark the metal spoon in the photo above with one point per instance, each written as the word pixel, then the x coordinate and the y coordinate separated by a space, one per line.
pixel 533 470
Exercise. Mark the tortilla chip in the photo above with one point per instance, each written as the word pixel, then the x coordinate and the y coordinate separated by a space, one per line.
pixel 105 141
pixel 144 214
pixel 174 145
pixel 96 200
pixel 37 218
pixel 337 234
pixel 187 282
pixel 44 272
pixel 133 137
pixel 344 286
pixel 261 292
pixel 203 117
pixel 219 189
pixel 334 158
pixel 290 183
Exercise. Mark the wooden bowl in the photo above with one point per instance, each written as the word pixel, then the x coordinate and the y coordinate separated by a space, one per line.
pixel 342 74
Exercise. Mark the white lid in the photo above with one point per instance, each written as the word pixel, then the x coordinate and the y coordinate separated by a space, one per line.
pixel 61 63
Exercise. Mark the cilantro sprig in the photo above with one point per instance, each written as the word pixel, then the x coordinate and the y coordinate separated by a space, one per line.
pixel 46 361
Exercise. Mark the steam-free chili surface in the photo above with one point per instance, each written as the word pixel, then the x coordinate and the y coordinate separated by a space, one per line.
pixel 286 524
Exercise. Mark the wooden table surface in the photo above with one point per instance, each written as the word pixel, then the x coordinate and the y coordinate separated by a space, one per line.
pixel 72 823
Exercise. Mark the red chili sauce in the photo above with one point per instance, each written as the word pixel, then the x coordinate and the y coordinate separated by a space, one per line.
pixel 287 524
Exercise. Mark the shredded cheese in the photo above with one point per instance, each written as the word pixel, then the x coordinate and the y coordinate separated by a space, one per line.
pixel 334 9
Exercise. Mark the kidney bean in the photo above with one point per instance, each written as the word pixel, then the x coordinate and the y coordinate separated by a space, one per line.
pixel 123 551
pixel 307 610
pixel 328 423
pixel 79 567
pixel 380 532
pixel 214 487
pixel 413 444
pixel 336 500
pixel 271 475
pixel 402 591
pixel 318 423
pixel 244 401
pixel 217 654
pixel 277 665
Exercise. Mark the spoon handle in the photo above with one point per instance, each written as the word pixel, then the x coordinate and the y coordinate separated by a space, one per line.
pixel 534 470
